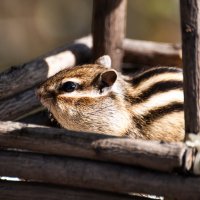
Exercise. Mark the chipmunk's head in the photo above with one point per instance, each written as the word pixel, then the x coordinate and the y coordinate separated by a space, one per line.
pixel 85 98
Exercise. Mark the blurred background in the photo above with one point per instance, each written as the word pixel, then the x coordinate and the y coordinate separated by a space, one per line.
pixel 30 28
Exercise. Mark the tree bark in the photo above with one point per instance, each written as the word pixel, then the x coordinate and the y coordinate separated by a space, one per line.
pixel 149 154
pixel 190 18
pixel 108 29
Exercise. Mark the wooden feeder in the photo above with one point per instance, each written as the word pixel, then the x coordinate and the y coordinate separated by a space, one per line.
pixel 52 163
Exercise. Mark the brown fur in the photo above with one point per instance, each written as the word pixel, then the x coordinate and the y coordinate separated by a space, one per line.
pixel 112 111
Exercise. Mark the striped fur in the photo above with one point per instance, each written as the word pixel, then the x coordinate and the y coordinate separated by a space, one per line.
pixel 147 106
pixel 155 95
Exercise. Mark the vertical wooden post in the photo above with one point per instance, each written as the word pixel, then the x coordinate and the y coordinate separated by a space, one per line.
pixel 190 21
pixel 108 29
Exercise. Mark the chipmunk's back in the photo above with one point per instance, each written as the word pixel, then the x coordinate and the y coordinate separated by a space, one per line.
pixel 96 98
pixel 156 100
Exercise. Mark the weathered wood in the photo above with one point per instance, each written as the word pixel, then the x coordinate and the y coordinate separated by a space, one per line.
pixel 190 18
pixel 152 53
pixel 149 154
pixel 12 81
pixel 35 191
pixel 19 78
pixel 96 175
pixel 108 29
pixel 19 105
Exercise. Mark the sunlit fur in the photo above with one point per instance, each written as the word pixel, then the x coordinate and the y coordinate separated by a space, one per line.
pixel 118 109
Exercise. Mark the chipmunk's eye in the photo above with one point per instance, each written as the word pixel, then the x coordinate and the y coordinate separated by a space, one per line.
pixel 68 86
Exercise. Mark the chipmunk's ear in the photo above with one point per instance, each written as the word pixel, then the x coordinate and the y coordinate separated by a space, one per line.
pixel 108 78
pixel 105 61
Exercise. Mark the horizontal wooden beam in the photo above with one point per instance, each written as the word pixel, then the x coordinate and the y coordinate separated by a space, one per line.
pixel 149 154
pixel 152 53
pixel 19 105
pixel 96 175
pixel 10 190
pixel 23 77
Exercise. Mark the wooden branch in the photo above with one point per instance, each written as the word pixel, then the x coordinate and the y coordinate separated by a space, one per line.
pixel 108 29
pixel 19 78
pixel 96 175
pixel 190 15
pixel 35 191
pixel 19 105
pixel 149 154
pixel 152 53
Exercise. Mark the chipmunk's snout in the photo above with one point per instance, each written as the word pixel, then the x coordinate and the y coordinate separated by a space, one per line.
pixel 44 95
pixel 38 93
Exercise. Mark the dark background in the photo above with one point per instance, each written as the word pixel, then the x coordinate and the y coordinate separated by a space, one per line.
pixel 30 28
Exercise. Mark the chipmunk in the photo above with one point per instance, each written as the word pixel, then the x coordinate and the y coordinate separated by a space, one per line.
pixel 96 98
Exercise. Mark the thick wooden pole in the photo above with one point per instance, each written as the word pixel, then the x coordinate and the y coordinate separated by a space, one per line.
pixel 108 29
pixel 11 190
pixel 93 175
pixel 149 154
pixel 190 19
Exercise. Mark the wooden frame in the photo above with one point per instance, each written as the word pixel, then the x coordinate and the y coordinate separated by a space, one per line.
pixel 103 166
pixel 191 63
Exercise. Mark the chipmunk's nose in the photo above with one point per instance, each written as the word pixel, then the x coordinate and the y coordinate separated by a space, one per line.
pixel 43 93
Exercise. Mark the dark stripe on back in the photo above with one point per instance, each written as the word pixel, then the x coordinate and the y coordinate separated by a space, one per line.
pixel 142 121
pixel 150 73
pixel 158 87
pixel 160 112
